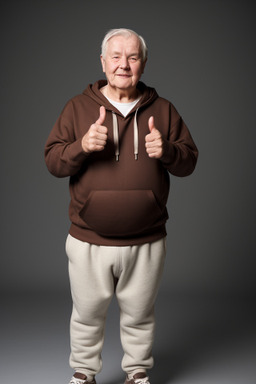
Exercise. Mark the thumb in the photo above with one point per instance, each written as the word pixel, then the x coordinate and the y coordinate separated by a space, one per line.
pixel 102 116
pixel 151 123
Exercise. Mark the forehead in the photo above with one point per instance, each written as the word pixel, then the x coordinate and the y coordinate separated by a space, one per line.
pixel 121 43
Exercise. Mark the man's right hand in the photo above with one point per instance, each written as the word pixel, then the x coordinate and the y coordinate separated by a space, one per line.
pixel 96 137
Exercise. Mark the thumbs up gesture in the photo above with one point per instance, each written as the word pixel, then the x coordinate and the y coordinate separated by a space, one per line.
pixel 154 141
pixel 96 137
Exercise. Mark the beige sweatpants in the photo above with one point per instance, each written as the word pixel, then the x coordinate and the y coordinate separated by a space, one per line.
pixel 97 272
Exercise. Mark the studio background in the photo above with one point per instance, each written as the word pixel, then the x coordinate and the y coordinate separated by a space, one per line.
pixel 202 58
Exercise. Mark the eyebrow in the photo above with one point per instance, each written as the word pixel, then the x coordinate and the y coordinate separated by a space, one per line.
pixel 132 54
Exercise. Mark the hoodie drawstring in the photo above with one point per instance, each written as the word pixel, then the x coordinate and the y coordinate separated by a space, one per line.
pixel 135 135
pixel 116 135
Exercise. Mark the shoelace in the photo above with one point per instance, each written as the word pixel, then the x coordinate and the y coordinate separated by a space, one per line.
pixel 144 380
pixel 74 380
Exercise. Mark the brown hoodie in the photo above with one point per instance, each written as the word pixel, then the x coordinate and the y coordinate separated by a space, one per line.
pixel 119 195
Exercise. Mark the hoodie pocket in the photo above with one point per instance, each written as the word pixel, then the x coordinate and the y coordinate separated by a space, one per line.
pixel 122 213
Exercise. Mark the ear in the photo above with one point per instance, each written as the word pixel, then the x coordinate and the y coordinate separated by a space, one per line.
pixel 143 66
pixel 102 63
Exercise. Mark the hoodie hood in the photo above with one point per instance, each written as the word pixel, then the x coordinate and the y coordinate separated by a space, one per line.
pixel 148 95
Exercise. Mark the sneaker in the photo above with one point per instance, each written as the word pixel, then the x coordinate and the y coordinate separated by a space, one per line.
pixel 138 378
pixel 80 378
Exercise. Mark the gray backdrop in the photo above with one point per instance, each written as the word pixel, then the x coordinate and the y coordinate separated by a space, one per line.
pixel 201 57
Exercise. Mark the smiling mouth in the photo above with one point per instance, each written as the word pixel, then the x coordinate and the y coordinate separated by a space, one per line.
pixel 123 75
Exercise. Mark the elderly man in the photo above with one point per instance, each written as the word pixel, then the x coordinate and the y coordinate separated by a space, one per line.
pixel 118 142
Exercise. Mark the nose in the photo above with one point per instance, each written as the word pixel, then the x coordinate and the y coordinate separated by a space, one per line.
pixel 124 64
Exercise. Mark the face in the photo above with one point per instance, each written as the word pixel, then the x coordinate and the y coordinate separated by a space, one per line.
pixel 122 64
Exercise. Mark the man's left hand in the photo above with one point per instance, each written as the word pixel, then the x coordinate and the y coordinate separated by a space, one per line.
pixel 154 141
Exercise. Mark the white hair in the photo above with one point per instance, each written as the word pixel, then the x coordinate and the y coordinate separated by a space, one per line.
pixel 127 33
